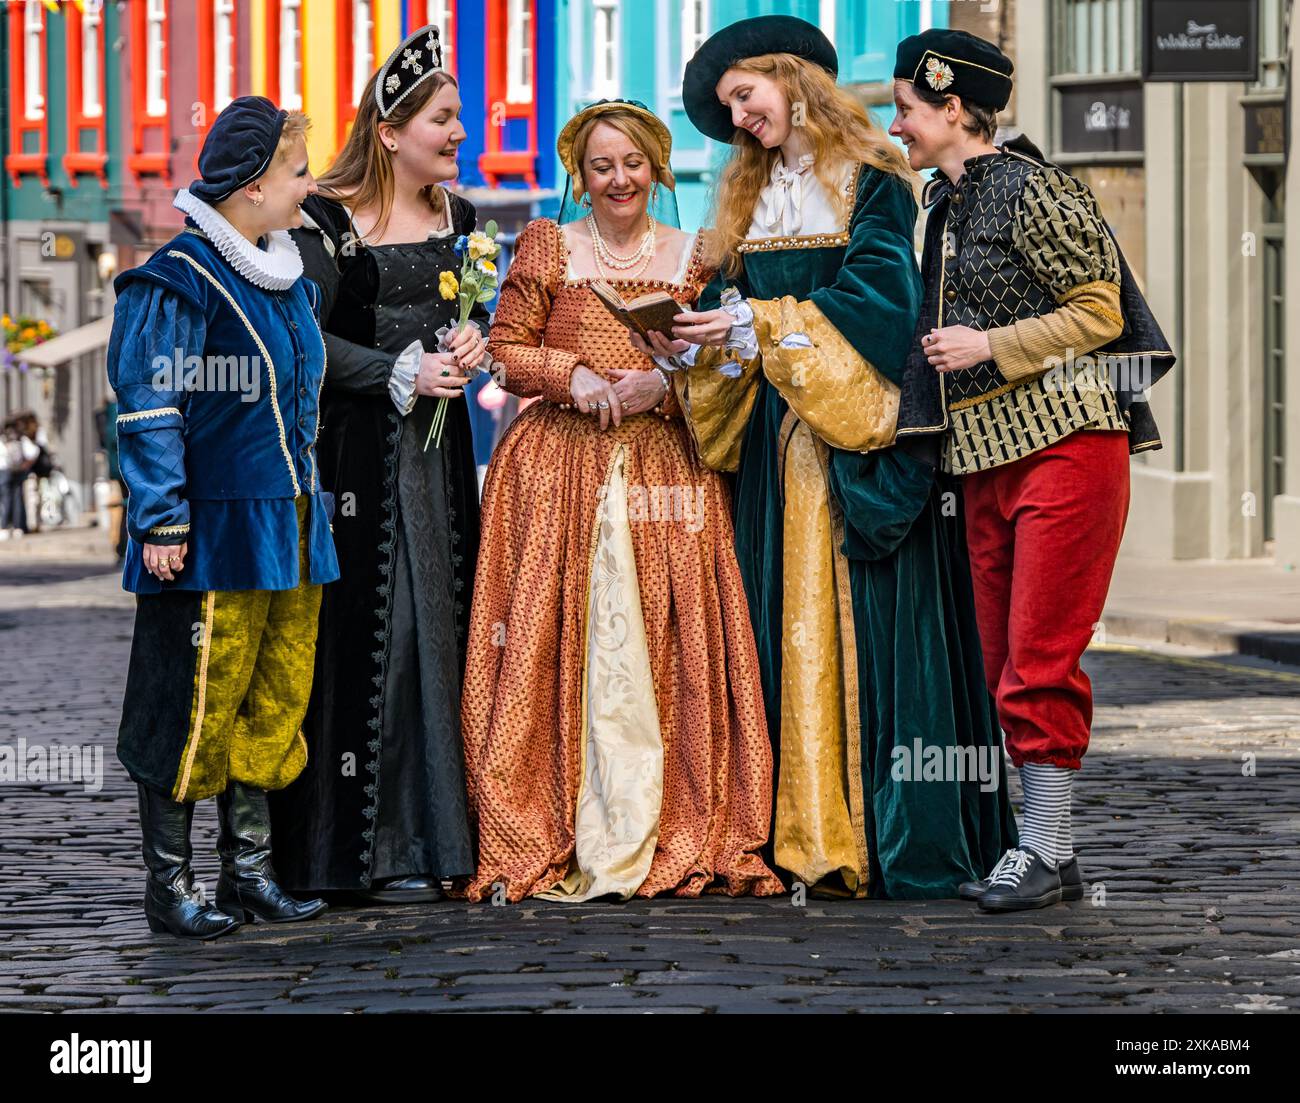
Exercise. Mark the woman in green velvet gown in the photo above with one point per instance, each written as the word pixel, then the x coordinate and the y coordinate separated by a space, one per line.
pixel 890 780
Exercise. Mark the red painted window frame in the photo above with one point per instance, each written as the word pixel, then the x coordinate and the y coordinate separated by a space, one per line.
pixel 495 161
pixel 271 14
pixel 75 160
pixel 207 33
pixel 206 29
pixel 18 163
pixel 139 162
pixel 272 9
pixel 345 110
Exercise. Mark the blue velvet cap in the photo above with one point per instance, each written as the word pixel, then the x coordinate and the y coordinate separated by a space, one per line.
pixel 238 148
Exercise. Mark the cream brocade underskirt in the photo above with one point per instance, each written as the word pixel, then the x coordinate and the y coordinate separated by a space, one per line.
pixel 621 790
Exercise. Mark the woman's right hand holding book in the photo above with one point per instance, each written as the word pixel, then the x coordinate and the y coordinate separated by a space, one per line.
pixel 658 345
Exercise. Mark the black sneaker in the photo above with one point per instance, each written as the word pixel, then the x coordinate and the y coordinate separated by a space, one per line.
pixel 1071 881
pixel 1021 881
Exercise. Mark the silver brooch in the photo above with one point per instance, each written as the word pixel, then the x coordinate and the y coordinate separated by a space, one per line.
pixel 411 60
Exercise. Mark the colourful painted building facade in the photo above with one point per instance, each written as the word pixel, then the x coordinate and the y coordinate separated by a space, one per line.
pixel 107 103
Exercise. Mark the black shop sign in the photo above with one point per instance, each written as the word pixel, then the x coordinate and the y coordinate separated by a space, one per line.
pixel 1105 118
pixel 1198 40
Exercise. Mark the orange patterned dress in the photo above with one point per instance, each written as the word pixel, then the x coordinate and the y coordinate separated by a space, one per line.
pixel 615 740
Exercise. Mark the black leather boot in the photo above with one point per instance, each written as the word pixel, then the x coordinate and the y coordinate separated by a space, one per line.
pixel 247 887
pixel 1071 881
pixel 170 902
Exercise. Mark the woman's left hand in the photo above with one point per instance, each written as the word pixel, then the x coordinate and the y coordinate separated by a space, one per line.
pixel 954 348
pixel 467 345
pixel 637 390
pixel 164 561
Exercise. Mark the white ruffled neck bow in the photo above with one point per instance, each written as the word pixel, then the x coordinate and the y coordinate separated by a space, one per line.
pixel 782 199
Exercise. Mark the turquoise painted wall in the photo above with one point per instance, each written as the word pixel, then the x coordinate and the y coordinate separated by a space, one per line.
pixel 866 34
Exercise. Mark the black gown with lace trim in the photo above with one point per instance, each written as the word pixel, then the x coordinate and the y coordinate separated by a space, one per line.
pixel 383 794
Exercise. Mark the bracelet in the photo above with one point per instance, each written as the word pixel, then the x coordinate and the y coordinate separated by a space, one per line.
pixel 663 378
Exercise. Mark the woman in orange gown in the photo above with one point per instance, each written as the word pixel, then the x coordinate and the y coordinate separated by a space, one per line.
pixel 615 739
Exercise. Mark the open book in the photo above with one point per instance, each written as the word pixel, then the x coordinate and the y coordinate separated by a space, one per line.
pixel 642 314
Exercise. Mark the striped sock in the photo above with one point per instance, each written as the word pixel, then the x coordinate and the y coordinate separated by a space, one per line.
pixel 1065 833
pixel 1047 797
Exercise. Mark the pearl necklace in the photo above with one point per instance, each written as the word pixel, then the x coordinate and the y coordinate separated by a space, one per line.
pixel 635 264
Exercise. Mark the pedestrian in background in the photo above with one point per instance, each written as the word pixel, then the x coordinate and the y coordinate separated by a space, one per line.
pixel 22 454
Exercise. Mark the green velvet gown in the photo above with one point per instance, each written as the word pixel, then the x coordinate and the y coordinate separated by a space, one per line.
pixel 890 774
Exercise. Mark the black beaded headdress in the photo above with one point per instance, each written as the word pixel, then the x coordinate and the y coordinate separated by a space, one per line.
pixel 414 61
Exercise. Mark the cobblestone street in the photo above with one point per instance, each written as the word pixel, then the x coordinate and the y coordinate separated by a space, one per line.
pixel 1187 818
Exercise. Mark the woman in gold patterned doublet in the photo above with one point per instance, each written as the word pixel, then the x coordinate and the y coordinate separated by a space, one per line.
pixel 613 717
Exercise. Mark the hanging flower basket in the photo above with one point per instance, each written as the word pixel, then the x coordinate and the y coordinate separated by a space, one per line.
pixel 18 335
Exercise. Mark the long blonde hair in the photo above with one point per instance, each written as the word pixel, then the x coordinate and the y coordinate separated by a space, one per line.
pixel 838 128
pixel 362 173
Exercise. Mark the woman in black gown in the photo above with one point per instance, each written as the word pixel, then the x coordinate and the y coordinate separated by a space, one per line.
pixel 380 808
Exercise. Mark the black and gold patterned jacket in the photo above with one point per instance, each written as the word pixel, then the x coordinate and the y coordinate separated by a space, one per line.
pixel 1018 248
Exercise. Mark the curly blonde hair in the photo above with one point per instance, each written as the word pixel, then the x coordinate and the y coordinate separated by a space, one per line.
pixel 838 129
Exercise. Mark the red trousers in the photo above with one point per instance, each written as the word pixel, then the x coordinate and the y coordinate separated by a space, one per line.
pixel 1043 533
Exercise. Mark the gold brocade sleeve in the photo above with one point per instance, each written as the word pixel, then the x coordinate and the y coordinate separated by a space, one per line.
pixel 717 408
pixel 837 393
pixel 516 337
pixel 1060 231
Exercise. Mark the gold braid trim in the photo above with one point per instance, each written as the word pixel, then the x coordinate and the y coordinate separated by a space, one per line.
pixel 1094 307
pixel 200 694
pixel 141 415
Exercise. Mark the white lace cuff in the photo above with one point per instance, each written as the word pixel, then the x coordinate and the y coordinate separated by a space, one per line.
pixel 741 337
pixel 671 364
pixel 401 380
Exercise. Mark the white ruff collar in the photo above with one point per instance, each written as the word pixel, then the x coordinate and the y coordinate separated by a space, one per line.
pixel 275 268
